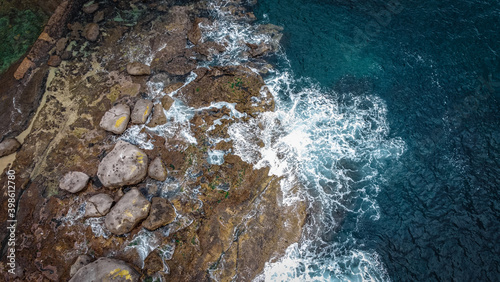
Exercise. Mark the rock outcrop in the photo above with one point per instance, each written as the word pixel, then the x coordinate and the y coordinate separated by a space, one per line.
pixel 106 269
pixel 116 119
pixel 124 165
pixel 127 213
pixel 98 205
pixel 74 181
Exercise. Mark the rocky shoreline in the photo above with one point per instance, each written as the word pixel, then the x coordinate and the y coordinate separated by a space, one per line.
pixel 129 172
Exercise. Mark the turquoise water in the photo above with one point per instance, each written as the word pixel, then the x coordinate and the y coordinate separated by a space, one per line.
pixel 391 119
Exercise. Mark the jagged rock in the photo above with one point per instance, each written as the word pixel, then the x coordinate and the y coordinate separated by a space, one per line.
pixel 137 68
pixel 9 146
pixel 90 7
pixel 259 50
pixel 98 205
pixel 162 213
pixel 106 269
pixel 99 16
pixel 127 213
pixel 158 117
pixel 74 181
pixel 157 170
pixel 166 102
pixel 80 262
pixel 124 165
pixel 142 111
pixel 54 61
pixel 91 31
pixel 116 119
pixel 153 263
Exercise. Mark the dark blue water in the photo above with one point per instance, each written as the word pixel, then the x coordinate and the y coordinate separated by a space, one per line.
pixel 436 66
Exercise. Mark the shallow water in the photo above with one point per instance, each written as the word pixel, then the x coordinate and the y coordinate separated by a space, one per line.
pixel 391 115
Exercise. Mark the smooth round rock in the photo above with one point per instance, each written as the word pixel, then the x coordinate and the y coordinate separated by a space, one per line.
pixel 98 205
pixel 124 165
pixel 116 119
pixel 142 111
pixel 106 269
pixel 9 146
pixel 137 68
pixel 157 170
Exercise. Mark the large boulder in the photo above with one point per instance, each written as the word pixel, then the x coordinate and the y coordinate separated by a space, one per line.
pixel 74 181
pixel 124 165
pixel 142 110
pixel 116 119
pixel 137 68
pixel 162 213
pixel 98 205
pixel 157 170
pixel 80 262
pixel 106 269
pixel 127 213
pixel 9 146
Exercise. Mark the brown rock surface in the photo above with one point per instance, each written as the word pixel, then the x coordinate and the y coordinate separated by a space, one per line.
pixel 162 213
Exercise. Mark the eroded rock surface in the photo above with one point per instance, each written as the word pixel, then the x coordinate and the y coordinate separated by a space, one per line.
pixel 127 213
pixel 106 269
pixel 124 165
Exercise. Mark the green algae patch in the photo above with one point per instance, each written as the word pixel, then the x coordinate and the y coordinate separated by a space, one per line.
pixel 18 30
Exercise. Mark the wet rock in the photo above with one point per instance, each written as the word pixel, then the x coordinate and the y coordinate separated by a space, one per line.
pixel 180 66
pixel 162 213
pixel 259 50
pixel 90 7
pixel 127 213
pixel 158 117
pixel 166 102
pixel 99 16
pixel 106 269
pixel 172 87
pixel 157 170
pixel 137 68
pixel 124 165
pixel 91 31
pixel 98 205
pixel 54 61
pixel 9 146
pixel 80 262
pixel 153 263
pixel 116 119
pixel 142 111
pixel 74 181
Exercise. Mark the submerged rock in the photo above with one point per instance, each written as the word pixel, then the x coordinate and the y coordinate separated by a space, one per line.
pixel 162 213
pixel 137 68
pixel 74 181
pixel 142 111
pixel 157 170
pixel 98 205
pixel 127 213
pixel 116 119
pixel 9 146
pixel 91 31
pixel 124 165
pixel 158 117
pixel 80 262
pixel 106 269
